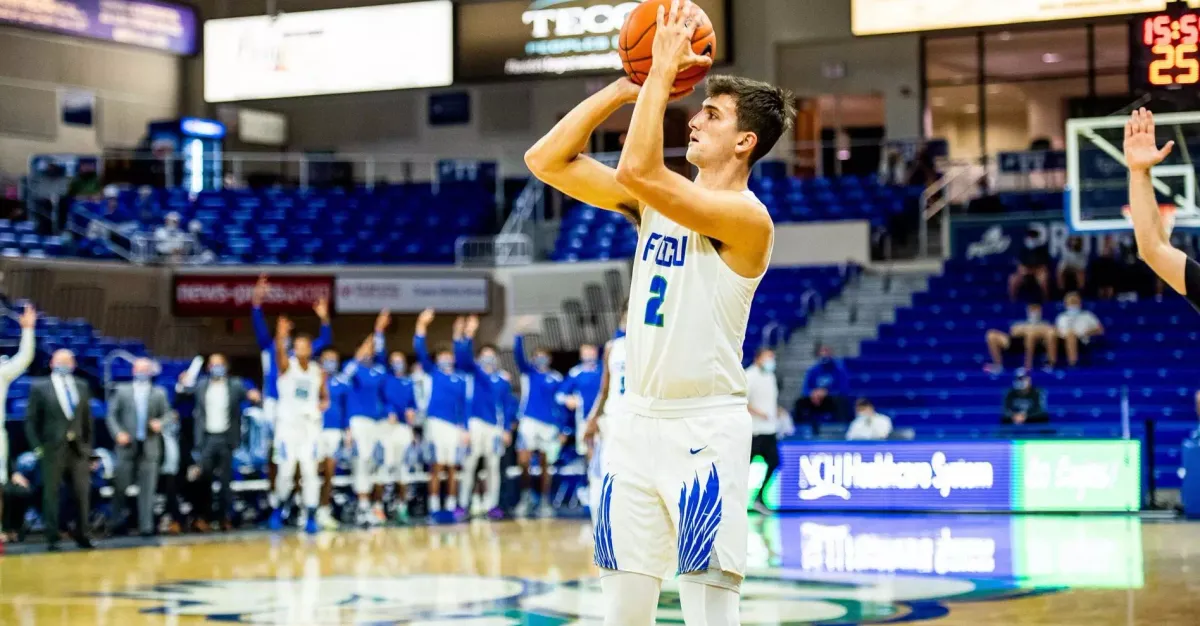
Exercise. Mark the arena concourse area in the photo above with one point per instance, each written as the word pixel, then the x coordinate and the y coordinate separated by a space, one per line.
pixel 335 313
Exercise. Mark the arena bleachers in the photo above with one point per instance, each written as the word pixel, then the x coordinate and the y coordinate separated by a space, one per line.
pixel 927 366
pixel 395 224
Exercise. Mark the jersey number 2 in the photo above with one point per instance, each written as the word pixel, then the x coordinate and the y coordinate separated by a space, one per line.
pixel 658 292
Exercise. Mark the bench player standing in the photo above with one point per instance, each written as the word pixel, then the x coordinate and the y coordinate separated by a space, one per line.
pixel 677 459
pixel 608 403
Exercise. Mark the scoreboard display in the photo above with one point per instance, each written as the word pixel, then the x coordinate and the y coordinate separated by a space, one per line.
pixel 1165 49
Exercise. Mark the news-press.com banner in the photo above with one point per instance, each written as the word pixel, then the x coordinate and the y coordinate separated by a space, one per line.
pixel 412 295
pixel 1093 475
pixel 232 296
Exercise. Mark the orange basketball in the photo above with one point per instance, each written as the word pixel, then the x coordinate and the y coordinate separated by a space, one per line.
pixel 637 45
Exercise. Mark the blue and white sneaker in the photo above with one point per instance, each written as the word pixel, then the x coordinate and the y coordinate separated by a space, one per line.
pixel 276 521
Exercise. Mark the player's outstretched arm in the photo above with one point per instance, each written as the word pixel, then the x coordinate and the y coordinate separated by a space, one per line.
pixel 1154 245
pixel 727 216
pixel 558 159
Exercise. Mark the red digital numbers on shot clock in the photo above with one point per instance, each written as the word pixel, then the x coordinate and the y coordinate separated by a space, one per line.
pixel 1164 50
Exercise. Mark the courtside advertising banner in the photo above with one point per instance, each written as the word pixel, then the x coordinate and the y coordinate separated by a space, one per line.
pixel 1067 476
pixel 412 295
pixel 230 296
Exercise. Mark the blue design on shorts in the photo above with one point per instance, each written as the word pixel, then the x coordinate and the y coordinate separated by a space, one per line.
pixel 605 556
pixel 699 519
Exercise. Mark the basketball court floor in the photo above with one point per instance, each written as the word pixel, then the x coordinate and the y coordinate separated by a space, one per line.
pixel 824 569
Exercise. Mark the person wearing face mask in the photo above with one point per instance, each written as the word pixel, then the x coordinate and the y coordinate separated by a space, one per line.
pixel 489 398
pixel 1033 260
pixel 1023 404
pixel 868 425
pixel 830 374
pixel 1033 330
pixel 217 422
pixel 335 435
pixel 1075 327
pixel 446 419
pixel 400 404
pixel 136 417
pixel 541 427
pixel 579 391
pixel 609 403
pixel 762 395
pixel 364 405
pixel 58 425
pixel 1072 265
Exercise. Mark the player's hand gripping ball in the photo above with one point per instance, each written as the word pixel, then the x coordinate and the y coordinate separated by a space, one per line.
pixel 637 47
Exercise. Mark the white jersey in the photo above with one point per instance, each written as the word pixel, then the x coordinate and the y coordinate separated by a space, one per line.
pixel 687 321
pixel 300 391
pixel 615 361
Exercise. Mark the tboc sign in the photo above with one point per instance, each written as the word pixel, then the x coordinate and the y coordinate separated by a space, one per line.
pixel 597 19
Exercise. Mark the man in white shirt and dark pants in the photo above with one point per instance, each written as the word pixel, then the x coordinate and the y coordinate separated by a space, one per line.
pixel 10 370
pixel 762 390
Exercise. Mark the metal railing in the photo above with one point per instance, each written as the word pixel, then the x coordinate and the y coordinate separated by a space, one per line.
pixel 960 182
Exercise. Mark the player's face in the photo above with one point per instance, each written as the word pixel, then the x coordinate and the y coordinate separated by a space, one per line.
pixel 329 361
pixel 303 348
pixel 488 359
pixel 715 138
pixel 445 361
pixel 587 354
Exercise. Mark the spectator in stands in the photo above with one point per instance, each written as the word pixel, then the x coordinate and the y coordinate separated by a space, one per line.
pixel 762 394
pixel 145 208
pixel 169 240
pixel 1075 326
pixel 1072 266
pixel 1105 270
pixel 830 374
pixel 136 419
pixel 1033 261
pixel 10 370
pixel 815 408
pixel 1033 330
pixel 868 425
pixel 1024 404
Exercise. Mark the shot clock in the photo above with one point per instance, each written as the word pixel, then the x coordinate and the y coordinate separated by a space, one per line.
pixel 1165 49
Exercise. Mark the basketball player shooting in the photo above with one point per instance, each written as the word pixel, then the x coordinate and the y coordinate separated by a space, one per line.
pixel 1153 236
pixel 677 458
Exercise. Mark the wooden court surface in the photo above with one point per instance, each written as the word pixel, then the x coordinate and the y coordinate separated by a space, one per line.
pixel 969 570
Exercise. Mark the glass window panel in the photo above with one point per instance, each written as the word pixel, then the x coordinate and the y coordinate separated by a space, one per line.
pixel 951 60
pixel 1032 54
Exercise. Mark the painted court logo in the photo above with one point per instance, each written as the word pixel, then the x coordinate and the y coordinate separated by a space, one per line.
pixel 769 597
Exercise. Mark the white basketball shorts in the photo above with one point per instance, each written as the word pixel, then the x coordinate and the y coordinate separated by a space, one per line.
pixel 296 439
pixel 397 440
pixel 486 439
pixel 446 441
pixel 537 436
pixel 331 443
pixel 674 494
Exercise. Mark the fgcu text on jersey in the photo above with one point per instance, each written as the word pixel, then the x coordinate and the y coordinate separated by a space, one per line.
pixel 668 251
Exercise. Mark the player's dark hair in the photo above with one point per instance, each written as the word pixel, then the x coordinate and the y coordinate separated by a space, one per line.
pixel 332 351
pixel 305 336
pixel 761 351
pixel 443 348
pixel 489 346
pixel 399 352
pixel 863 403
pixel 763 109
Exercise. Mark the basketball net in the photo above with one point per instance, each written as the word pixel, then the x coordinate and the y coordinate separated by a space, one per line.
pixel 1167 211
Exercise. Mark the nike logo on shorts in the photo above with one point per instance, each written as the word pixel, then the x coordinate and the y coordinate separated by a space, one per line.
pixel 697 450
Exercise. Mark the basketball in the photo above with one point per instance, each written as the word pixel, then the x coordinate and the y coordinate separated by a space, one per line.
pixel 637 45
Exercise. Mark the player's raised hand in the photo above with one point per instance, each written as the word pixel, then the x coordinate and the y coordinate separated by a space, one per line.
pixel 460 324
pixel 1141 147
pixel 283 327
pixel 29 317
pixel 426 317
pixel 472 326
pixel 260 291
pixel 321 308
pixel 673 38
pixel 383 320
pixel 527 324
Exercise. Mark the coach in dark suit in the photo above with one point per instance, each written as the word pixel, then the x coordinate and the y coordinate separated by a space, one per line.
pixel 136 419
pixel 218 421
pixel 58 423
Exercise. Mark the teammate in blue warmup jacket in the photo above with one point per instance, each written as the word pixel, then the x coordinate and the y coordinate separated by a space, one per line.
pixel 490 400
pixel 579 391
pixel 399 403
pixel 542 429
pixel 446 420
pixel 335 435
pixel 266 348
pixel 365 408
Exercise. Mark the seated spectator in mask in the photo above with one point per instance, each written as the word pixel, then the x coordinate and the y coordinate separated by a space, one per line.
pixel 868 425
pixel 169 240
pixel 1033 330
pixel 1033 260
pixel 1075 327
pixel 830 374
pixel 1072 266
pixel 1023 404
